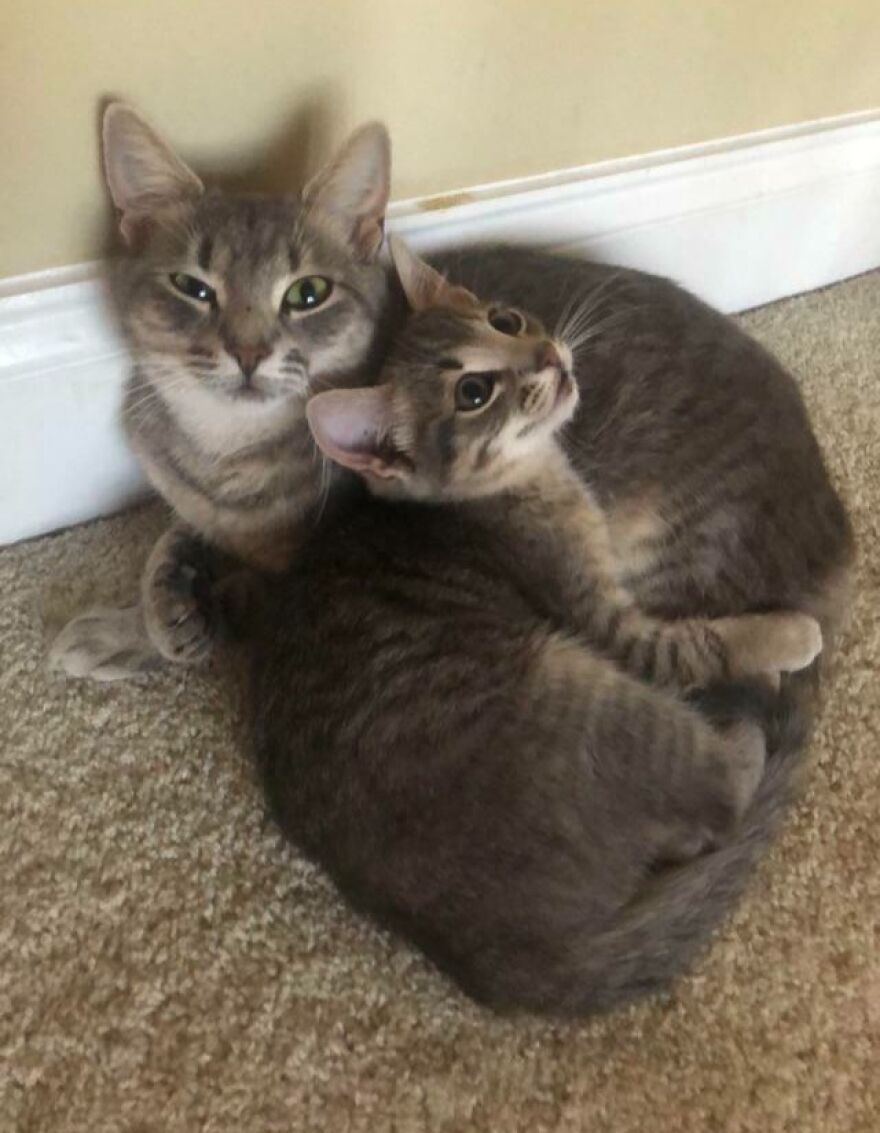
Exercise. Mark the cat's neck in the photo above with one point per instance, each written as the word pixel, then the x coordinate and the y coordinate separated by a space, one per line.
pixel 542 492
pixel 546 474
pixel 549 532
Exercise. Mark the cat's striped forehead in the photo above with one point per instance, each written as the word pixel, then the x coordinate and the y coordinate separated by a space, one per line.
pixel 253 238
pixel 228 231
pixel 435 336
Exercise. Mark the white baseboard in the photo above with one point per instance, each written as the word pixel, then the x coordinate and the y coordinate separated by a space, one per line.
pixel 741 221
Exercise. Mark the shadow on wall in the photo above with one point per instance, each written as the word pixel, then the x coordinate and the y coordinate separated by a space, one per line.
pixel 281 165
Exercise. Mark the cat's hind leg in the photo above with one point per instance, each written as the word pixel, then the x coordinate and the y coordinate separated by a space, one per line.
pixel 680 783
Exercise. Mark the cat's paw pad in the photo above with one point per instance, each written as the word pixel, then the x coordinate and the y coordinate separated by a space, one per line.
pixel 179 614
pixel 108 644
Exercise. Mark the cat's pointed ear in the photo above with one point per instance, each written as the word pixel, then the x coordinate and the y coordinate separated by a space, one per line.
pixel 423 286
pixel 351 193
pixel 352 427
pixel 143 174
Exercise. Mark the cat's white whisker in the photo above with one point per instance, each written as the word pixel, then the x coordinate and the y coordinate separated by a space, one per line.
pixel 579 318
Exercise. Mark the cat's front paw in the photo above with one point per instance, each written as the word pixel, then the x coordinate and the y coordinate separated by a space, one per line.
pixel 795 641
pixel 773 643
pixel 178 613
pixel 104 644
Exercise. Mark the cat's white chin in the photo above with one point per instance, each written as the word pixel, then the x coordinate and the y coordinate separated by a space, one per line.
pixel 252 394
pixel 264 391
pixel 564 403
pixel 223 423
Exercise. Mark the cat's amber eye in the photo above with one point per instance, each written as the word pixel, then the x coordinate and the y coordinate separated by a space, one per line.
pixel 473 391
pixel 506 320
pixel 307 293
pixel 193 288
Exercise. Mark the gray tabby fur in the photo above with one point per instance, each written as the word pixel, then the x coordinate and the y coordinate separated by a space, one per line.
pixel 697 446
pixel 214 407
pixel 434 718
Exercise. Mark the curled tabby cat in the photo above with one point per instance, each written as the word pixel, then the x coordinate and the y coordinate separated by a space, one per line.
pixel 451 709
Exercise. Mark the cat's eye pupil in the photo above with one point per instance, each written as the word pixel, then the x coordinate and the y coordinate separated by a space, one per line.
pixel 193 288
pixel 307 293
pixel 473 391
pixel 506 321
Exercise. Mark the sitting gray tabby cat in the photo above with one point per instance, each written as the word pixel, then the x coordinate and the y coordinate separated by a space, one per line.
pixel 234 309
pixel 437 713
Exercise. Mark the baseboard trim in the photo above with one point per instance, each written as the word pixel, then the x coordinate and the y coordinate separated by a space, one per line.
pixel 740 221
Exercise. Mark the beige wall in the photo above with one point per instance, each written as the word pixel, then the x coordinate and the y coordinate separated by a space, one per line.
pixel 472 90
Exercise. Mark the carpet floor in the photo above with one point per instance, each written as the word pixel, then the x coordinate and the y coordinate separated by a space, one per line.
pixel 167 964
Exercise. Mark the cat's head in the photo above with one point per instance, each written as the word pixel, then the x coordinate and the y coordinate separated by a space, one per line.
pixel 250 299
pixel 469 395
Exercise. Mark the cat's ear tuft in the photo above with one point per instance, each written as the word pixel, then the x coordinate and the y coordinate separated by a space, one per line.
pixel 143 173
pixel 352 427
pixel 423 286
pixel 350 194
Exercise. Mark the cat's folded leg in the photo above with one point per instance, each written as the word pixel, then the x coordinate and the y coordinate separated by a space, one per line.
pixel 730 769
pixel 188 593
pixel 696 651
pixel 682 777
pixel 179 611
pixel 105 644
pixel 786 641
pixel 577 566
pixel 170 622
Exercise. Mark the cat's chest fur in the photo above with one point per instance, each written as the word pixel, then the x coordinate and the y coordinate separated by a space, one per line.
pixel 242 475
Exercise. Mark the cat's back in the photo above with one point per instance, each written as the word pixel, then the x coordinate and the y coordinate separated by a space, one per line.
pixel 397 622
pixel 404 734
pixel 376 563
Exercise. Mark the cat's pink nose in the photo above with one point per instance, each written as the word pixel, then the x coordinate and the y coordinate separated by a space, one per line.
pixel 249 356
pixel 547 357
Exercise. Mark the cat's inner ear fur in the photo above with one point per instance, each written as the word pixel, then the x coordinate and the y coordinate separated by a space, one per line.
pixel 424 287
pixel 144 175
pixel 353 428
pixel 350 194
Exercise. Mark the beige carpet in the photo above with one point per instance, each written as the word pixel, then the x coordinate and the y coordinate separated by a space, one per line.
pixel 166 964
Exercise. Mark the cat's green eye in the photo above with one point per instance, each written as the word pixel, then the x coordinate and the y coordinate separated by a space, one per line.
pixel 307 293
pixel 473 391
pixel 193 288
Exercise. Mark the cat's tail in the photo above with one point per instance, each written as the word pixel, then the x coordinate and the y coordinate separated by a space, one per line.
pixel 659 935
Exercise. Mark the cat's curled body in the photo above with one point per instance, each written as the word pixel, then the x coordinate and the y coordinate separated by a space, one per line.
pixel 425 737
pixel 435 717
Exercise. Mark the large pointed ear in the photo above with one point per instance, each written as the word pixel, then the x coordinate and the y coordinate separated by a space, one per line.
pixel 352 427
pixel 143 174
pixel 423 286
pixel 350 194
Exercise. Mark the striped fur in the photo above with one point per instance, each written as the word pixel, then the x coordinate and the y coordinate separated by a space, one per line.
pixel 431 726
pixel 224 363
pixel 411 437
pixel 693 438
